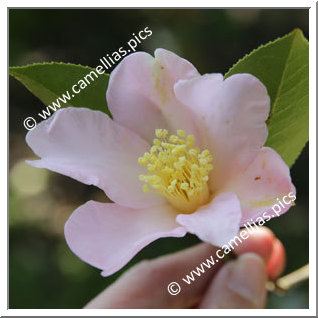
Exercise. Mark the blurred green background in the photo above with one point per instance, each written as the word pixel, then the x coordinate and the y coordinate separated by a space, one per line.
pixel 43 272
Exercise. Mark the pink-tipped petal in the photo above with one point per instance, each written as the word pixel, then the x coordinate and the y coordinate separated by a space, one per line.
pixel 233 113
pixel 216 222
pixel 258 188
pixel 108 236
pixel 91 148
pixel 140 93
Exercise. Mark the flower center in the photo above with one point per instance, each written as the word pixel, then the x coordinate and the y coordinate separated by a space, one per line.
pixel 177 170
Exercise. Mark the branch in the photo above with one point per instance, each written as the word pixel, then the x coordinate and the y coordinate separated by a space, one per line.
pixel 285 283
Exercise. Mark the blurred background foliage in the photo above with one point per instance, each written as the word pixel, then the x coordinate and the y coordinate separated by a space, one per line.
pixel 43 271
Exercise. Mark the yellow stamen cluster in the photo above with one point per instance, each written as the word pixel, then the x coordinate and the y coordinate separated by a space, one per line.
pixel 177 170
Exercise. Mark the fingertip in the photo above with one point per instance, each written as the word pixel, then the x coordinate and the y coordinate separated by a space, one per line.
pixel 260 242
pixel 277 261
pixel 265 231
pixel 238 284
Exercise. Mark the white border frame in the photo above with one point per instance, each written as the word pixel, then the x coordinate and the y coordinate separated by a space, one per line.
pixel 312 160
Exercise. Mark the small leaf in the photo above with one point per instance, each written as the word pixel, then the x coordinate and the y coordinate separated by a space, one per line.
pixel 49 81
pixel 283 67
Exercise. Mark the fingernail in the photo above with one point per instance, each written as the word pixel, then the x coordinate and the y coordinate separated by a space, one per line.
pixel 248 278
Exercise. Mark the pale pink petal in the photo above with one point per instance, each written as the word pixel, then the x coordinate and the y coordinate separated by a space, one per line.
pixel 216 222
pixel 91 148
pixel 258 188
pixel 178 67
pixel 140 93
pixel 108 236
pixel 200 93
pixel 233 113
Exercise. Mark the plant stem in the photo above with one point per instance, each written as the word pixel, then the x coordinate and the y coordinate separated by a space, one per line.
pixel 285 283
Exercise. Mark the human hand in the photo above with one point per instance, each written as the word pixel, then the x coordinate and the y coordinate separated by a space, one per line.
pixel 238 283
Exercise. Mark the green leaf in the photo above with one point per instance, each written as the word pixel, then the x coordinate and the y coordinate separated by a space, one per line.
pixel 49 81
pixel 283 67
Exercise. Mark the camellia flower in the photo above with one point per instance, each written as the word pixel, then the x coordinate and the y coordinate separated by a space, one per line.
pixel 183 153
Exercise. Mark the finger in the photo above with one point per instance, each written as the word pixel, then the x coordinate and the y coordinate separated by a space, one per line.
pixel 145 285
pixel 260 241
pixel 238 284
pixel 277 261
pixel 263 242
